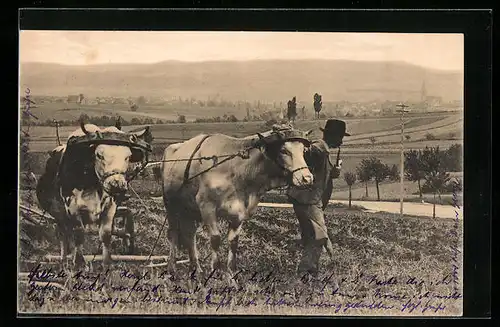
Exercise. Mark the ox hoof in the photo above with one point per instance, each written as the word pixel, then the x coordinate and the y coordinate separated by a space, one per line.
pixel 79 261
pixel 216 265
pixel 230 280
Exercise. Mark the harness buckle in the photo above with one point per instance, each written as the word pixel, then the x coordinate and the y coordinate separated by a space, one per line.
pixel 245 154
pixel 215 159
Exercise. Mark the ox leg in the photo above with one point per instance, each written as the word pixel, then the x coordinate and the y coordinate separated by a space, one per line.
pixel 215 242
pixel 189 240
pixel 210 220
pixel 78 259
pixel 64 243
pixel 233 236
pixel 105 231
pixel 208 212
pixel 173 238
pixel 189 235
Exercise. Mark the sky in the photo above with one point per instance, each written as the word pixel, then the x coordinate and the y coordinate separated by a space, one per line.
pixel 436 51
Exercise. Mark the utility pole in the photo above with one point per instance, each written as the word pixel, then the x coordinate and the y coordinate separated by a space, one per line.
pixel 402 166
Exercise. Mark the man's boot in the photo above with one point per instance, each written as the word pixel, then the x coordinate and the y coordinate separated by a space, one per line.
pixel 309 262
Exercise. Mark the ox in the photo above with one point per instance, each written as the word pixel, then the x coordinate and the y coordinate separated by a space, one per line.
pixel 83 182
pixel 199 191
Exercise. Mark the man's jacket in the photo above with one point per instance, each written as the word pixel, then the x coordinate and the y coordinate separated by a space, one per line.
pixel 320 164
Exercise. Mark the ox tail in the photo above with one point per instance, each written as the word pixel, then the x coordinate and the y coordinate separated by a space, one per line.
pixel 45 187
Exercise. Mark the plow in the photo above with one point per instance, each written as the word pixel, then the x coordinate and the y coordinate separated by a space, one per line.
pixel 123 228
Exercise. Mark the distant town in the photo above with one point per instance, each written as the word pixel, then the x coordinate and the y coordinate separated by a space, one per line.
pixel 250 111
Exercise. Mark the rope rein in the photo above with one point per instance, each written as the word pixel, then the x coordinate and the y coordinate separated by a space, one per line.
pixel 244 154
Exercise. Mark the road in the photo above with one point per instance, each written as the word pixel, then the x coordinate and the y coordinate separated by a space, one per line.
pixel 409 208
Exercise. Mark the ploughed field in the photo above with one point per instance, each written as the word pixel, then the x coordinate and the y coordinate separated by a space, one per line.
pixel 379 263
pixel 446 127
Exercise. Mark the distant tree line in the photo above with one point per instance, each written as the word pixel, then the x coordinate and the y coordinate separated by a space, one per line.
pixel 217 119
pixel 105 121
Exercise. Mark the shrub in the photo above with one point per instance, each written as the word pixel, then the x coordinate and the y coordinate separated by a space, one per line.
pixel 430 136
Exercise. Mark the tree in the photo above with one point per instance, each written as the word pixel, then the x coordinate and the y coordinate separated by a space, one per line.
pixel 232 119
pixel 84 118
pixel 350 179
pixel 141 100
pixel 407 137
pixel 317 104
pixel 292 109
pixel 393 172
pixel 437 182
pixel 373 140
pixel 181 119
pixel 435 175
pixel 430 136
pixel 364 174
pixel 453 158
pixel 378 171
pixel 414 170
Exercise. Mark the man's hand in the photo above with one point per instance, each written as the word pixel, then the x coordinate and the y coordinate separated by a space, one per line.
pixel 336 170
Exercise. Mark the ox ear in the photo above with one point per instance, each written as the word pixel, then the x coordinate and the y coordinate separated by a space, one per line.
pixel 145 134
pixel 262 140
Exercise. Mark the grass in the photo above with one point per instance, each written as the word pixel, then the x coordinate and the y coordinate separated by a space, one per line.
pixel 369 243
pixel 389 191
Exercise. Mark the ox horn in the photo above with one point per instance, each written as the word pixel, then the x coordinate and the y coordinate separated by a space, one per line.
pixel 142 133
pixel 82 126
pixel 145 134
pixel 309 132
pixel 118 123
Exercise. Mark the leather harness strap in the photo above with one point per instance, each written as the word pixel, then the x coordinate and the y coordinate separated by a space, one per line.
pixel 188 165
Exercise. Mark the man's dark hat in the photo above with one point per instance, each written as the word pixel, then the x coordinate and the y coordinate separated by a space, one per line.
pixel 335 128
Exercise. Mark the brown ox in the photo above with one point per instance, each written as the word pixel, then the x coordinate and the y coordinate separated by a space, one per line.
pixel 81 184
pixel 200 190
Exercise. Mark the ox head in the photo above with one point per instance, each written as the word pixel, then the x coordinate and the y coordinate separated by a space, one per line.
pixel 112 161
pixel 286 147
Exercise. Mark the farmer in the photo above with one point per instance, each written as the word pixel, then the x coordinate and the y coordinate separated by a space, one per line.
pixel 309 204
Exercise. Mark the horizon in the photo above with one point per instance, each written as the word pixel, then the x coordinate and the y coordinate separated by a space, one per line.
pixel 89 48
pixel 238 61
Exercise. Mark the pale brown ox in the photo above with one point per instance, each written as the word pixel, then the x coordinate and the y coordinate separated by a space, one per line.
pixel 80 187
pixel 231 190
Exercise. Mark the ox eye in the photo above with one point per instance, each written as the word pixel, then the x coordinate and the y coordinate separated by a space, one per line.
pixel 98 155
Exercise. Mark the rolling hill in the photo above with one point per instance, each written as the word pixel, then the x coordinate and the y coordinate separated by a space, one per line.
pixel 265 80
